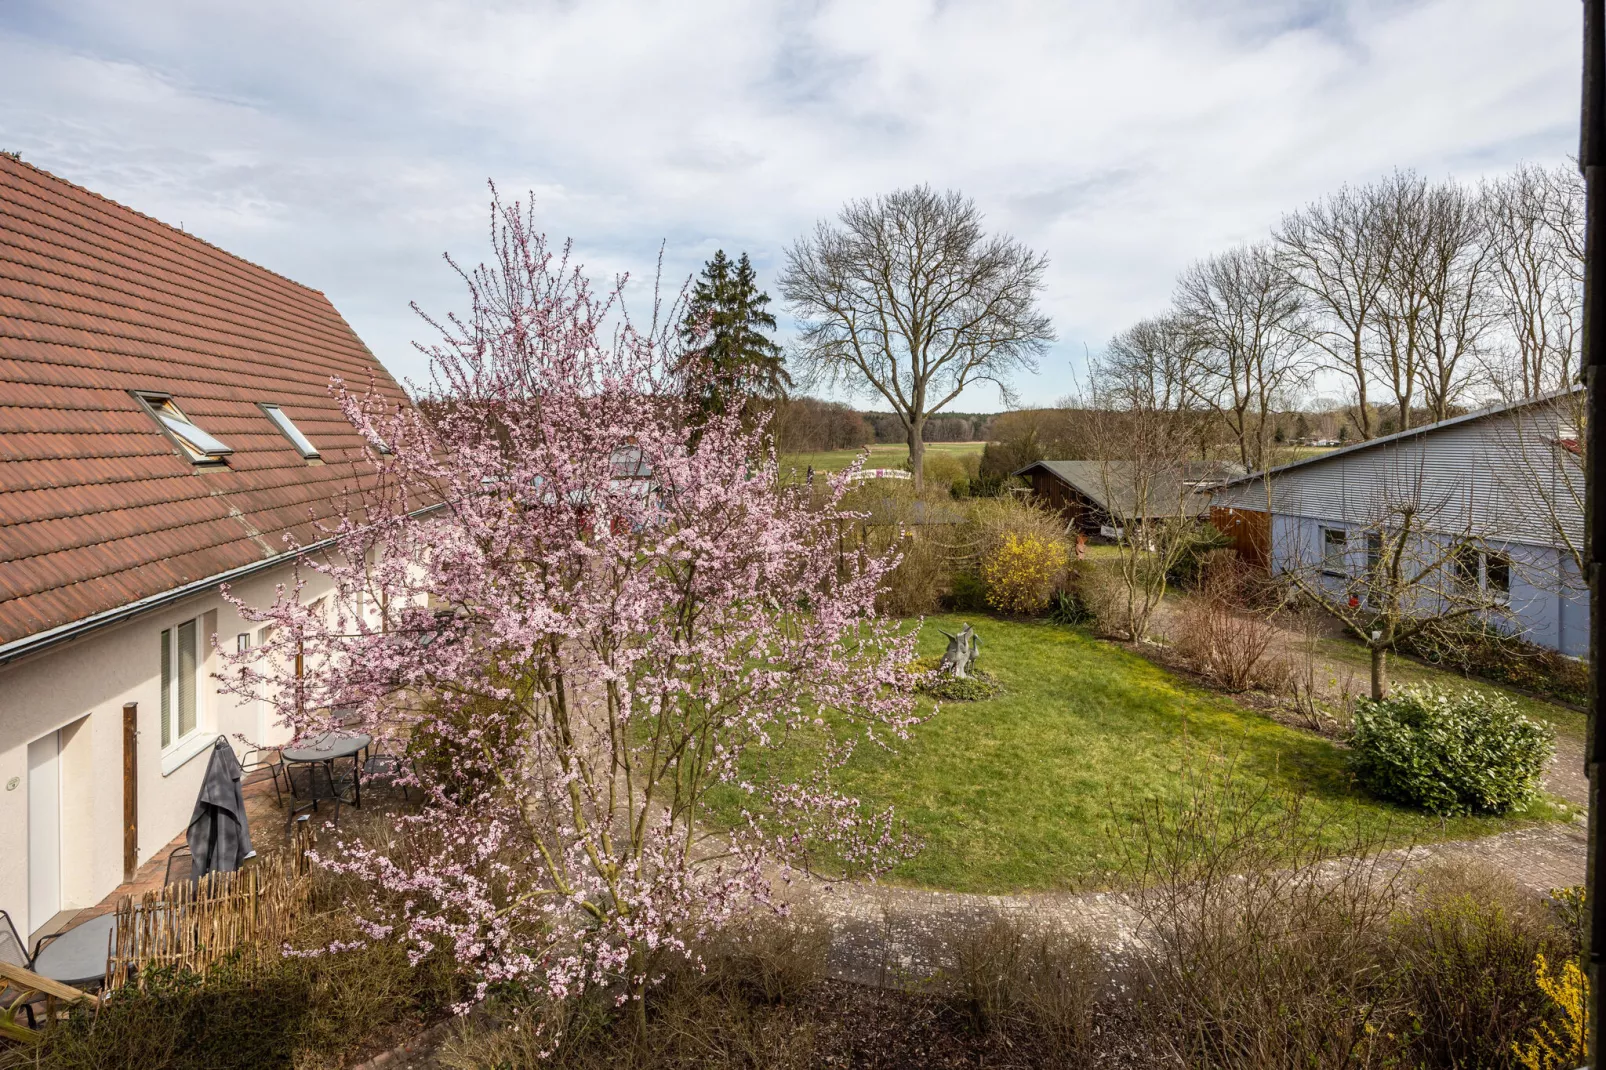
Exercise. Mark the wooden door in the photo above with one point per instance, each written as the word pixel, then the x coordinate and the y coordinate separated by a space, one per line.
pixel 1249 531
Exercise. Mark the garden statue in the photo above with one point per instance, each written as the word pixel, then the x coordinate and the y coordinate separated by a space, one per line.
pixel 963 650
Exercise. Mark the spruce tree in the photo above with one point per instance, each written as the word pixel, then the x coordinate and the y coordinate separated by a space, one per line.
pixel 730 356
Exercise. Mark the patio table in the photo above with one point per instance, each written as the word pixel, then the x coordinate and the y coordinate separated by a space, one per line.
pixel 78 956
pixel 325 749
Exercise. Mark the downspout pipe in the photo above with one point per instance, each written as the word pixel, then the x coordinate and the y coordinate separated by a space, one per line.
pixel 1591 159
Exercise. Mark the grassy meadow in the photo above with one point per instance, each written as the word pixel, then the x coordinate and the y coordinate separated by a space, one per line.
pixel 882 455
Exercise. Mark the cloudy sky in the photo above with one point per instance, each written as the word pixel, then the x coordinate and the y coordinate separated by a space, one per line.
pixel 347 144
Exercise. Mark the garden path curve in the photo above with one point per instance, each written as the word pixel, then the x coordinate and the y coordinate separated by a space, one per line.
pixel 886 935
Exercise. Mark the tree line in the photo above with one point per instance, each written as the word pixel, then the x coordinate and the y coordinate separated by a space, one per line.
pixel 1408 298
pixel 1416 298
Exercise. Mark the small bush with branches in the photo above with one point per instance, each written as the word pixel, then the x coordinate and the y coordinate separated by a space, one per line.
pixel 1225 632
pixel 1022 572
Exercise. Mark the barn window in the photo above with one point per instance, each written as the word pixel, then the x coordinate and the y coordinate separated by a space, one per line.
pixel 1497 577
pixel 1375 576
pixel 1335 547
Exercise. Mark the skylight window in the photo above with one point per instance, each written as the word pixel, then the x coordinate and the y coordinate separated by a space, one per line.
pixel 196 443
pixel 290 431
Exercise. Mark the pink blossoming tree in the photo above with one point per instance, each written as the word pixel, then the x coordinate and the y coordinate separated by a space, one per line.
pixel 580 617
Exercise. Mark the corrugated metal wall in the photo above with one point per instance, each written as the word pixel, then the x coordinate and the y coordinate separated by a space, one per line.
pixel 1481 476
pixel 1502 480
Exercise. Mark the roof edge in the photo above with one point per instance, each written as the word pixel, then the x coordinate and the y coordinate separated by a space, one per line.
pixel 120 206
pixel 1414 432
pixel 62 633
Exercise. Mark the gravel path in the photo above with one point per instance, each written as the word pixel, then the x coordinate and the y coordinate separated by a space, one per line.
pixel 885 935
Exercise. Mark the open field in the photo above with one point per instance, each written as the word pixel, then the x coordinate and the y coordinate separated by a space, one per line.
pixel 893 455
pixel 882 455
pixel 1027 791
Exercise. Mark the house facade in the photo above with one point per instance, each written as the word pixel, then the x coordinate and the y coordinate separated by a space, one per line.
pixel 1496 497
pixel 166 424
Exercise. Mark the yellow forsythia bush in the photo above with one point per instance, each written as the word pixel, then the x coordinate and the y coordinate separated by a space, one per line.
pixel 1021 571
pixel 1548 1047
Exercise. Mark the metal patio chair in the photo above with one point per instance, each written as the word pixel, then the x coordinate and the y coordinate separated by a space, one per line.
pixel 14 950
pixel 267 758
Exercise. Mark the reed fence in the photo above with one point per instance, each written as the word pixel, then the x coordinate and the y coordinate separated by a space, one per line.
pixel 194 925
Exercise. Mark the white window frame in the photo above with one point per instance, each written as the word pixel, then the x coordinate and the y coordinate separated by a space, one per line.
pixel 178 747
pixel 287 427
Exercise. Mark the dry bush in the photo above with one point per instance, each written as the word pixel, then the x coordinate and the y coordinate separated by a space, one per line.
pixel 1006 980
pixel 1264 950
pixel 737 1006
pixel 1103 595
pixel 1303 686
pixel 775 958
pixel 942 470
pixel 1225 633
pixel 923 576
pixel 1466 945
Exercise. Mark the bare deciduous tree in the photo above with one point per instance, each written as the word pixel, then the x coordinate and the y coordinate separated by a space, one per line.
pixel 907 297
pixel 1333 253
pixel 1535 219
pixel 1455 281
pixel 1399 320
pixel 1413 556
pixel 1140 429
pixel 1245 326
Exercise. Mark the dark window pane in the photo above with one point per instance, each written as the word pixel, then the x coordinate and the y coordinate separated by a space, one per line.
pixel 167 688
pixel 1498 569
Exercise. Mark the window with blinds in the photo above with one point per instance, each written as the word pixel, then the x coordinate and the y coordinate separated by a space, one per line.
pixel 180 661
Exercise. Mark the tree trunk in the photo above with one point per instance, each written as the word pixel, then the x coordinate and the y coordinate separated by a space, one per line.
pixel 1380 671
pixel 917 452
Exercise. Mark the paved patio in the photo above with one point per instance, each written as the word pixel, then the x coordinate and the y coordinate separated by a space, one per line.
pixel 268 822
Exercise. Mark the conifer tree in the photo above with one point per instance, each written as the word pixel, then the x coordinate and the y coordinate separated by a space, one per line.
pixel 729 356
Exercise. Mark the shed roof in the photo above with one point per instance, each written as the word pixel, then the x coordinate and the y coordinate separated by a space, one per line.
pixel 98 506
pixel 1111 486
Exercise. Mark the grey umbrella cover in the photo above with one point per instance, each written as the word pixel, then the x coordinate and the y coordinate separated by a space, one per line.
pixel 219 837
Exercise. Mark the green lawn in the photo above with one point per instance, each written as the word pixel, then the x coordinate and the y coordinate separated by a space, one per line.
pixel 1023 792
pixel 883 455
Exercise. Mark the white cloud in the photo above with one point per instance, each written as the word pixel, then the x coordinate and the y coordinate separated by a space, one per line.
pixel 347 145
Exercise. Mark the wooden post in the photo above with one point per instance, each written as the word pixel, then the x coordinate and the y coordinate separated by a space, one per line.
pixel 130 789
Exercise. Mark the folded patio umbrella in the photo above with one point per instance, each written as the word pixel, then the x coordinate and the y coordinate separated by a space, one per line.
pixel 219 837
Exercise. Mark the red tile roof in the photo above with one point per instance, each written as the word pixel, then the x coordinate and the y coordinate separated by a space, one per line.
pixel 98 507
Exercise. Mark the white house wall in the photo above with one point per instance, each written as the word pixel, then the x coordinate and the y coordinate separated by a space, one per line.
pixel 84 684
